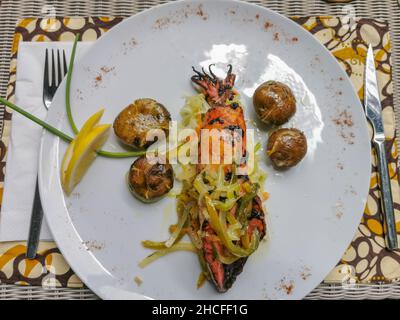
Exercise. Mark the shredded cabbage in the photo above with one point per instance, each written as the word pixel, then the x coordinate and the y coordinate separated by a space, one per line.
pixel 225 205
pixel 192 114
pixel 193 110
pixel 156 245
pixel 200 186
pixel 181 246
pixel 258 175
pixel 181 221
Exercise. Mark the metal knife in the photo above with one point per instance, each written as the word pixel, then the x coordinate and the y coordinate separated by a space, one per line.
pixel 35 226
pixel 373 109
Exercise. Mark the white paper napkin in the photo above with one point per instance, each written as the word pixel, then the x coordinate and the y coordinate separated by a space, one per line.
pixel 23 150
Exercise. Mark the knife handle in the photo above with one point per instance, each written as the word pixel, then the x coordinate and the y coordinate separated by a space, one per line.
pixel 386 195
pixel 35 226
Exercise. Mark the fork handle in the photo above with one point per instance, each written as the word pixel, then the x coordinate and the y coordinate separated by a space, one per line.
pixel 35 226
pixel 386 195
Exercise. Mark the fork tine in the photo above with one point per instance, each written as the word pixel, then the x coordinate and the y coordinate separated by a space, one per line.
pixel 46 81
pixel 53 69
pixel 65 64
pixel 59 74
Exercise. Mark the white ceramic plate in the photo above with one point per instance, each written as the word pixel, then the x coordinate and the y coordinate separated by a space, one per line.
pixel 314 208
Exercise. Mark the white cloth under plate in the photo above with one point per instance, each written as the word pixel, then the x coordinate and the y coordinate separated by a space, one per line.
pixel 23 150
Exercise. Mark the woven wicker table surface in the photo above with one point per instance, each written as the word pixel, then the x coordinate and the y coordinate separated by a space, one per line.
pixel 12 10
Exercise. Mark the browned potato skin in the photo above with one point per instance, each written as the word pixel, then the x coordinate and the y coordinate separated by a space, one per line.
pixel 274 102
pixel 286 147
pixel 133 123
pixel 149 182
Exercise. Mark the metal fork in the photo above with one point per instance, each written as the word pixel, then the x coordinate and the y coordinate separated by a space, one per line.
pixel 50 87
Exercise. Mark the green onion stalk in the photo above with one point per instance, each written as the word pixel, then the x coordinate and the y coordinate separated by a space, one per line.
pixel 40 122
pixel 71 121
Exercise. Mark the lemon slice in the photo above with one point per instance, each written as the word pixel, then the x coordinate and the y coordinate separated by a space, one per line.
pixel 77 161
pixel 88 126
pixel 66 159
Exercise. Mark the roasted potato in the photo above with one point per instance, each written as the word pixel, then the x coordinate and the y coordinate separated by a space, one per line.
pixel 286 147
pixel 136 120
pixel 149 182
pixel 274 102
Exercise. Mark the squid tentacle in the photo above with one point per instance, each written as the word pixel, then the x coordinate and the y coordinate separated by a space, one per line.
pixel 216 90
pixel 211 72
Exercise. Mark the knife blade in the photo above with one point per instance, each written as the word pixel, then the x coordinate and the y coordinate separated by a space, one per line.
pixel 373 110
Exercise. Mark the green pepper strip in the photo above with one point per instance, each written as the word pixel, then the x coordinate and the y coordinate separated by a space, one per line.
pixel 243 211
pixel 222 233
pixel 223 259
pixel 253 245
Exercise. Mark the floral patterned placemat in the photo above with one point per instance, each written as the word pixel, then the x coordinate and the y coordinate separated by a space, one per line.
pixel 366 259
